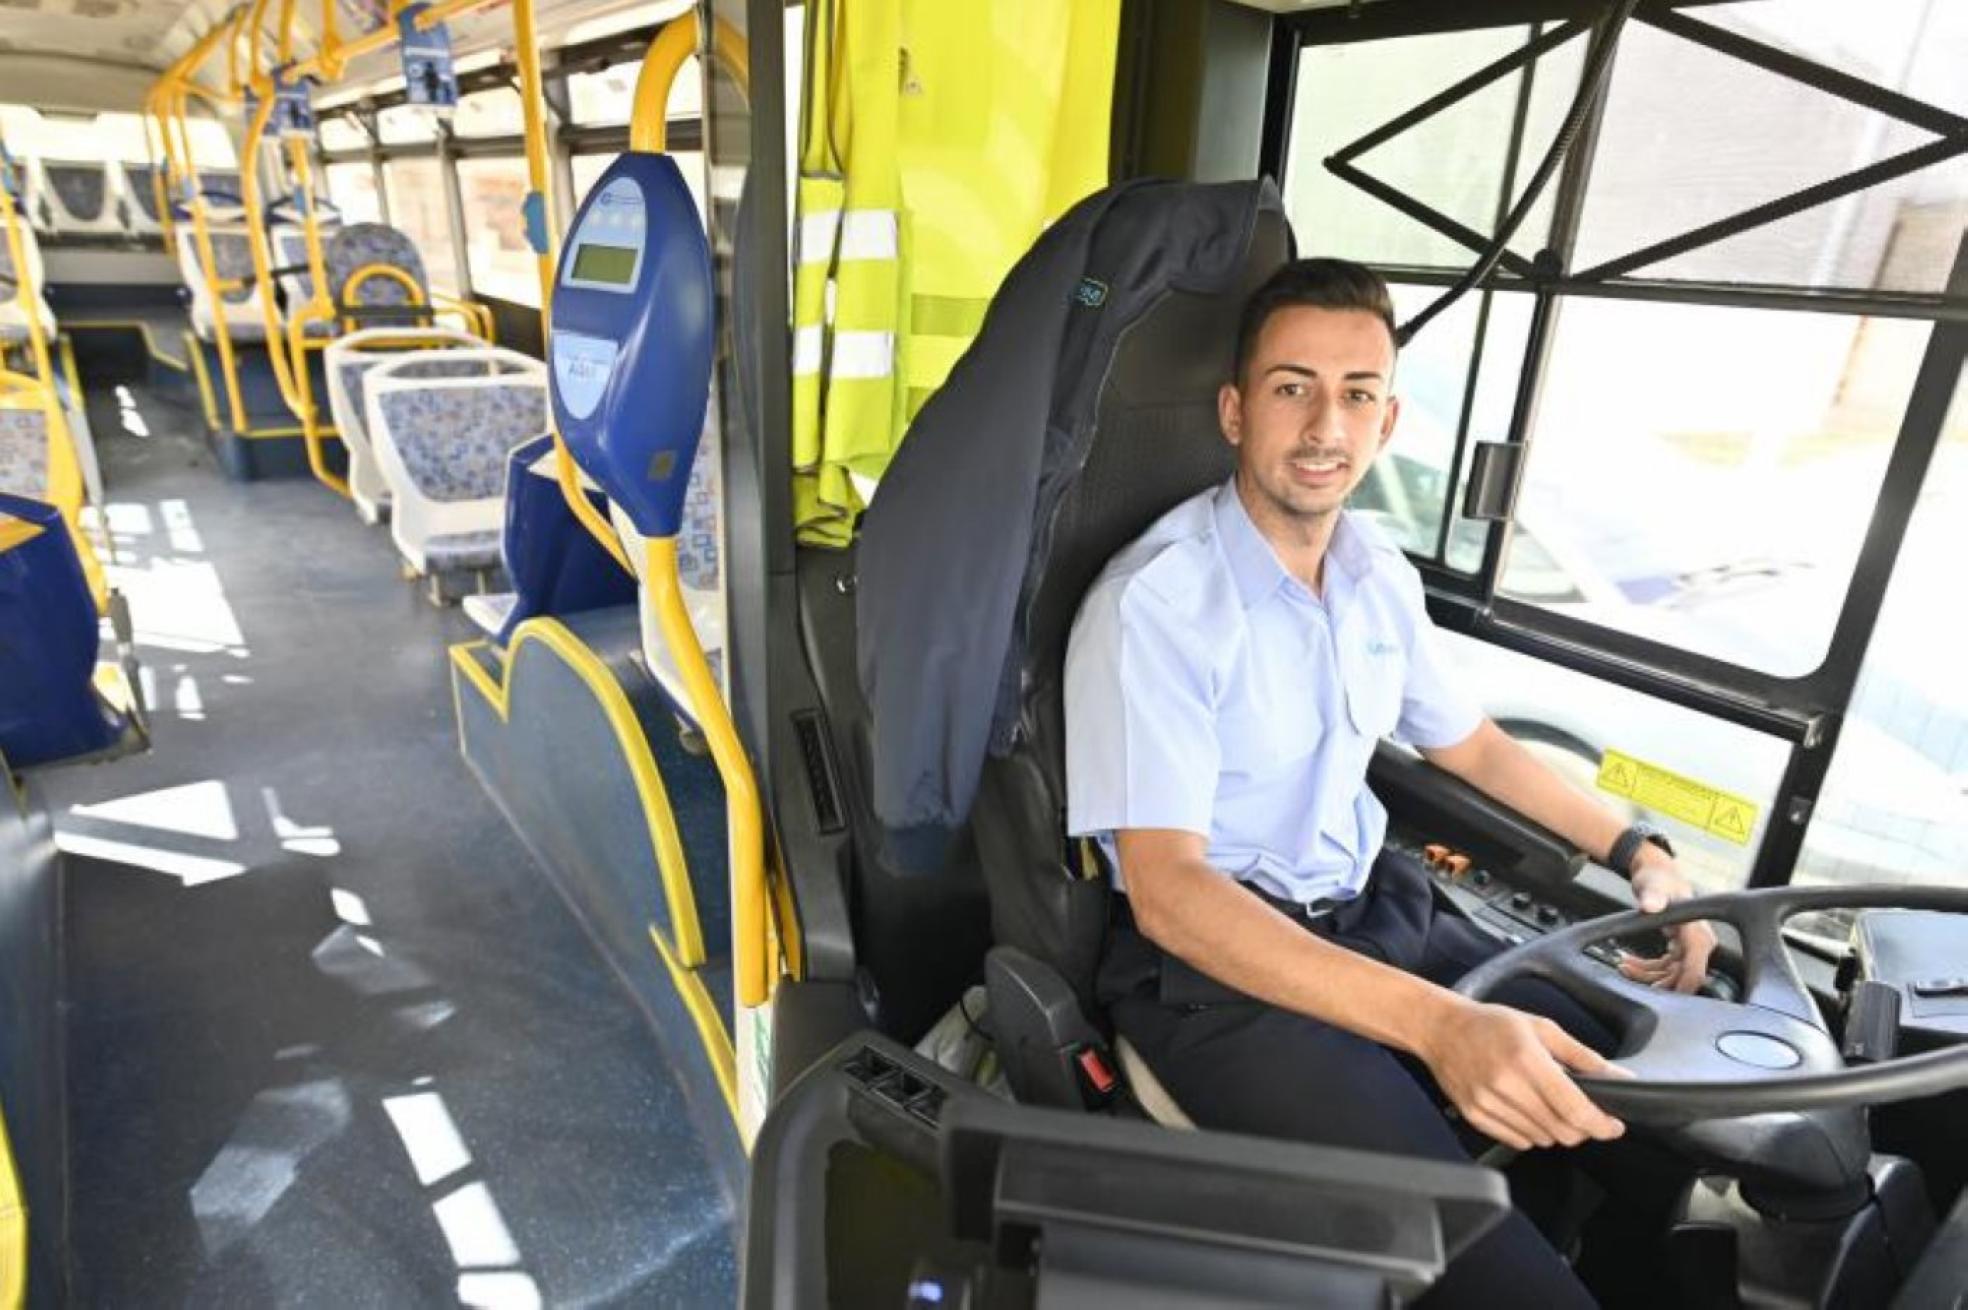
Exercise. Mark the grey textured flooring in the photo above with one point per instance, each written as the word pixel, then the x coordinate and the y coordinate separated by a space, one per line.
pixel 333 1040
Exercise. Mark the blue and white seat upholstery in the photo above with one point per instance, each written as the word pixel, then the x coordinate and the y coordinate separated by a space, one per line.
pixel 296 282
pixel 139 189
pixel 24 453
pixel 361 246
pixel 232 258
pixel 76 197
pixel 700 541
pixel 442 444
pixel 14 309
pixel 347 364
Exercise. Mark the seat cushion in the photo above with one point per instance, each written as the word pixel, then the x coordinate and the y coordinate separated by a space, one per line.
pixel 462 550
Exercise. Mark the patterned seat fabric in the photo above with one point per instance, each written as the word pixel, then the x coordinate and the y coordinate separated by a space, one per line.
pixel 361 244
pixel 218 180
pixel 232 255
pixel 697 536
pixel 143 188
pixel 353 371
pixel 453 440
pixel 82 188
pixel 462 550
pixel 24 453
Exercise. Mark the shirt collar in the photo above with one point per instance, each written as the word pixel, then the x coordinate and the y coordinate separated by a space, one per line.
pixel 1254 566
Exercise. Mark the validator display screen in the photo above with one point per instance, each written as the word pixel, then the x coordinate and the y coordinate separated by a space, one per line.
pixel 614 265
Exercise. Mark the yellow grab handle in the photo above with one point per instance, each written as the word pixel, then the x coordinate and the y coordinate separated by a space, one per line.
pixel 744 816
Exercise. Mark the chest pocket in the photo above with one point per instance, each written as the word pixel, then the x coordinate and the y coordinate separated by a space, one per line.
pixel 1262 735
pixel 1376 672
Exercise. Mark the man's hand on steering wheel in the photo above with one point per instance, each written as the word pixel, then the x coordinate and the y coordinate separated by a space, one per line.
pixel 1657 883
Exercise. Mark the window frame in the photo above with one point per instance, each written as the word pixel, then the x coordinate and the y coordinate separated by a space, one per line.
pixel 1806 712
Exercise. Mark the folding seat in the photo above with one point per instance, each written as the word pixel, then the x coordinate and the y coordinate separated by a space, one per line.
pixel 77 198
pixel 139 190
pixel 442 445
pixel 289 251
pixel 347 363
pixel 236 302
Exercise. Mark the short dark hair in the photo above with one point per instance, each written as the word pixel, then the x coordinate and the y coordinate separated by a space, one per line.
pixel 1318 283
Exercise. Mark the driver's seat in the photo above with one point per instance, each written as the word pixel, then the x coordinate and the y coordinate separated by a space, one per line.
pixel 1148 439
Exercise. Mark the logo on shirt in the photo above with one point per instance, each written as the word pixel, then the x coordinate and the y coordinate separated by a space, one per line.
pixel 1091 292
pixel 1383 648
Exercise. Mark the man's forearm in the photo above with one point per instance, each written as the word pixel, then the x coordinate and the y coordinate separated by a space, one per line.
pixel 1498 765
pixel 1214 925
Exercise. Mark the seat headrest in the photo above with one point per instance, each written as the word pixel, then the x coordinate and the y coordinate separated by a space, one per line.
pixel 1084 409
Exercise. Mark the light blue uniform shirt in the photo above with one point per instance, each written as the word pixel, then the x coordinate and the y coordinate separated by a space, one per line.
pixel 1208 690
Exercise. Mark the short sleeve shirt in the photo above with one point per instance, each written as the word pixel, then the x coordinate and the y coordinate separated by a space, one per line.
pixel 1210 691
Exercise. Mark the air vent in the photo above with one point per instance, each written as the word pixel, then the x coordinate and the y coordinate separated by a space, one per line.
pixel 822 781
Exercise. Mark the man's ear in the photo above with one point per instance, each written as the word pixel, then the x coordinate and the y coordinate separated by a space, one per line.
pixel 1230 412
pixel 1387 421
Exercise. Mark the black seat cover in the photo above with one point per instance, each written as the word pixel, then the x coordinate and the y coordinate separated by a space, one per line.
pixel 1133 431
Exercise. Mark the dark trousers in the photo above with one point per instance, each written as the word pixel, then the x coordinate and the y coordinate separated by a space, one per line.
pixel 1240 1065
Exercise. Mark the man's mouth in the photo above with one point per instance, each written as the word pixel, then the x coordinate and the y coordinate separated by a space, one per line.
pixel 1318 469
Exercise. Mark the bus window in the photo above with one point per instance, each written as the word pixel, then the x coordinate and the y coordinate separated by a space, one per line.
pixel 417 205
pixel 1407 490
pixel 352 186
pixel 1454 161
pixel 342 132
pixel 1709 471
pixel 603 99
pixel 404 125
pixel 1894 807
pixel 494 111
pixel 1662 166
pixel 502 264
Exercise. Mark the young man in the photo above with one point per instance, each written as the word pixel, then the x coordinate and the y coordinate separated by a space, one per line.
pixel 1227 679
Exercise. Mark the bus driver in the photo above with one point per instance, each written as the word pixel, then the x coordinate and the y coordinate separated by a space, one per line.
pixel 1227 678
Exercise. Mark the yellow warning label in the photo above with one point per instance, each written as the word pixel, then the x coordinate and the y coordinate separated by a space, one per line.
pixel 1665 792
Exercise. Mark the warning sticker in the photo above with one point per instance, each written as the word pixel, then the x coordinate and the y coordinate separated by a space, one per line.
pixel 1665 792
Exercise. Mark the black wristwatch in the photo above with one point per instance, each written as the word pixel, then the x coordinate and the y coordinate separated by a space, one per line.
pixel 1627 845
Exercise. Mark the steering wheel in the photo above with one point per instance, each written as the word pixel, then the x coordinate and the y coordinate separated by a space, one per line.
pixel 1757 1084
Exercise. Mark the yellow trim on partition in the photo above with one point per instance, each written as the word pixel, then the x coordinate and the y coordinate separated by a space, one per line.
pixel 73 373
pixel 13 1229
pixel 204 376
pixel 665 841
pixel 710 1025
pixel 785 921
pixel 71 326
pixel 17 532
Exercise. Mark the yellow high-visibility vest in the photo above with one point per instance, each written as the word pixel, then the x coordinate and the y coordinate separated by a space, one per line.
pixel 937 140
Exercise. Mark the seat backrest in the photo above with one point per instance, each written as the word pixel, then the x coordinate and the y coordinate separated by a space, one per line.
pixel 232 260
pixel 453 434
pixel 24 453
pixel 361 246
pixel 82 189
pixel 140 183
pixel 1137 401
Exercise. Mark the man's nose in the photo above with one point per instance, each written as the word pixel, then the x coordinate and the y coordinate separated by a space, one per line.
pixel 1321 419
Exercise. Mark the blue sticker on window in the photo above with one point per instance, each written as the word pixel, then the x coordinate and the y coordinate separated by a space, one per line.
pixel 1091 292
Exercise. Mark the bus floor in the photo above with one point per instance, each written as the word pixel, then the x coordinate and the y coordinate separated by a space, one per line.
pixel 332 1037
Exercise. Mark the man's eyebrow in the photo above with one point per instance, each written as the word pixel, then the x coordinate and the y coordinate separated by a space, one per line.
pixel 1359 375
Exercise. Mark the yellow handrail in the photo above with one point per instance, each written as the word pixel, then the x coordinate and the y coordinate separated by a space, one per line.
pixel 13 1229
pixel 744 818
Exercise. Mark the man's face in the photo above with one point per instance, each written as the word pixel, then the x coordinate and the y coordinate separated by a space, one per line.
pixel 1312 410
